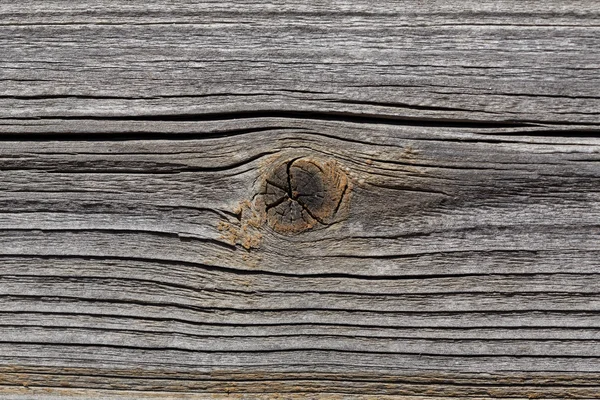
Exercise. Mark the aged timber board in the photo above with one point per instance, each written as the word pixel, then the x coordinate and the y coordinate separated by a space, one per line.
pixel 289 200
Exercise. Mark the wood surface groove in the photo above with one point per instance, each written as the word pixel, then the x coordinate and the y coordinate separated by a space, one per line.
pixel 457 145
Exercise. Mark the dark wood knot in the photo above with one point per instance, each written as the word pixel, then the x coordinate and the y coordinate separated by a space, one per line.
pixel 305 193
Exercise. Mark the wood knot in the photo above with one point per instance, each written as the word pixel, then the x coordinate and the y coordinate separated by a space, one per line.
pixel 304 193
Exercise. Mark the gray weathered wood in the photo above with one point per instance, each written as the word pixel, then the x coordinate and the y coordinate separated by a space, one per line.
pixel 136 259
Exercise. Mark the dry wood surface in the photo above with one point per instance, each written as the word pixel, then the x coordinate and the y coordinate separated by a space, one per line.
pixel 337 199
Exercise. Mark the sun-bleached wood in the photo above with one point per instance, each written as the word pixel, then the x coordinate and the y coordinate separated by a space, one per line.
pixel 136 257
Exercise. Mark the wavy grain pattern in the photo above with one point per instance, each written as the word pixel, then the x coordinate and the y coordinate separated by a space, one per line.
pixel 137 141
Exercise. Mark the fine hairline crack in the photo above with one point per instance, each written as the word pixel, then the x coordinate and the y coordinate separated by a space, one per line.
pixel 290 194
pixel 295 200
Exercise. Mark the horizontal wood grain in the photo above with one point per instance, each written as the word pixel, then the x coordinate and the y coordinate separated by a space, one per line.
pixel 135 256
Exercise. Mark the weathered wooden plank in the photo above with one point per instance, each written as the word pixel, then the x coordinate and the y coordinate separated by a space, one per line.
pixel 442 162
pixel 480 61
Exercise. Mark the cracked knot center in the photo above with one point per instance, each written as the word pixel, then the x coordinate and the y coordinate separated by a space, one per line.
pixel 303 193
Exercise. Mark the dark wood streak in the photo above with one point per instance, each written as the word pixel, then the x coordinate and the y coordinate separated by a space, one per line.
pixel 458 253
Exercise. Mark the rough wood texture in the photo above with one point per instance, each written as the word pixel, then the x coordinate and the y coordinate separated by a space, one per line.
pixel 137 256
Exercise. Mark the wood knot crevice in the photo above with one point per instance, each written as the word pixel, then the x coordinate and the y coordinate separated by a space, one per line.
pixel 304 193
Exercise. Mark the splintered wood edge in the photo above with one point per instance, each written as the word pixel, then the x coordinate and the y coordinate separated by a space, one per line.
pixel 51 393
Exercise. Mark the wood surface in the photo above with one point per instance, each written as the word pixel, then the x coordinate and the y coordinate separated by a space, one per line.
pixel 137 259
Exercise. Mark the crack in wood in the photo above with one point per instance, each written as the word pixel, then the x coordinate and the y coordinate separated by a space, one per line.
pixel 311 192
